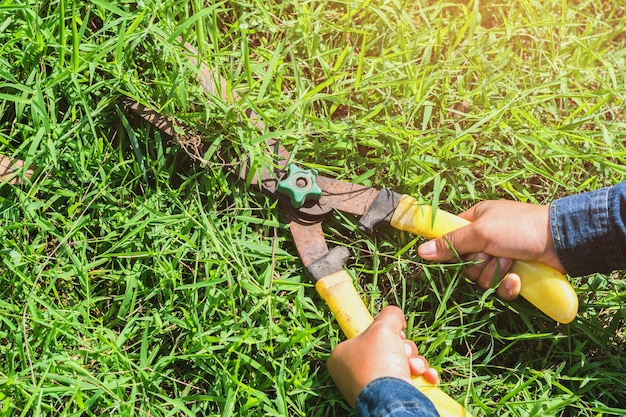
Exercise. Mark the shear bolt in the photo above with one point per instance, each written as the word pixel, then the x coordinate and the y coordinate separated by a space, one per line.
pixel 300 185
pixel 302 182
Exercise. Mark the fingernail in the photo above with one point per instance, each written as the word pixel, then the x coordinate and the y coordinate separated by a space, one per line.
pixel 428 249
pixel 508 283
pixel 402 334
pixel 418 365
pixel 432 375
pixel 408 350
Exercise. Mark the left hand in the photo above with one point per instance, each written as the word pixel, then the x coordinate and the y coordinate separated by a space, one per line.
pixel 380 351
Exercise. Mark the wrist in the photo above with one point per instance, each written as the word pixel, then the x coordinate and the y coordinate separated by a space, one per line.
pixel 388 395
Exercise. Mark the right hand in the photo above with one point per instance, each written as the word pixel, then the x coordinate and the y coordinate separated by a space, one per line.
pixel 500 232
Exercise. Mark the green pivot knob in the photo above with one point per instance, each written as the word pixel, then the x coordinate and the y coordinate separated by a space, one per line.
pixel 300 185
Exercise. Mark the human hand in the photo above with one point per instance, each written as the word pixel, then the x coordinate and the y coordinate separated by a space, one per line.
pixel 382 350
pixel 500 232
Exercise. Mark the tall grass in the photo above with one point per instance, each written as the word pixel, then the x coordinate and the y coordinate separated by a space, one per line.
pixel 137 282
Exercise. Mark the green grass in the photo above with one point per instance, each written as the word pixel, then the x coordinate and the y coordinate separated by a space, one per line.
pixel 136 282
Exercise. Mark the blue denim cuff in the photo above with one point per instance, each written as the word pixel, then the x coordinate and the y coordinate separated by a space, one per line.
pixel 389 397
pixel 589 232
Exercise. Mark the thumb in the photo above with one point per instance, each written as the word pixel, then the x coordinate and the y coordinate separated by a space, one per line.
pixel 392 318
pixel 448 247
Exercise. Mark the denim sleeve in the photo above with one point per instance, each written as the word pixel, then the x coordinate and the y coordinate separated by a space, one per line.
pixel 589 230
pixel 393 397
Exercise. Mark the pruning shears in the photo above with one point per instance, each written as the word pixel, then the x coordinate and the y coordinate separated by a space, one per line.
pixel 306 198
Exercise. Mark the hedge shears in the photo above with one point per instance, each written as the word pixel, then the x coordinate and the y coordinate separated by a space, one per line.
pixel 306 198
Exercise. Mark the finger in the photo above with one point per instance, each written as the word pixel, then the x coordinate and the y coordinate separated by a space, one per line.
pixel 431 375
pixel 489 271
pixel 492 273
pixel 478 263
pixel 510 287
pixel 410 347
pixel 454 244
pixel 392 318
pixel 418 365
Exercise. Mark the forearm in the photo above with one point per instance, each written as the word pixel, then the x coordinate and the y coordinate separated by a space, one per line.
pixel 589 230
pixel 393 397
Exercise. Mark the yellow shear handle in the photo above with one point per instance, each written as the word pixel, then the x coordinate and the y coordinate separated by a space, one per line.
pixel 543 286
pixel 353 317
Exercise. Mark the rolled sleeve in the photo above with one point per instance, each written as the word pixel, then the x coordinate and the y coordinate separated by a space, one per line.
pixel 589 231
pixel 392 397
